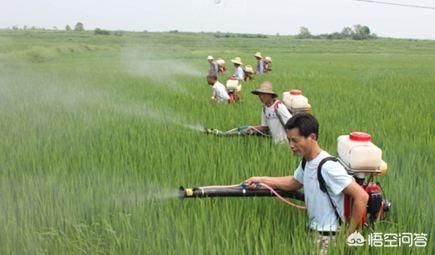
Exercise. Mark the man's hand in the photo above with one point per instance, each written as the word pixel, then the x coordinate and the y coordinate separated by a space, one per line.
pixel 285 182
pixel 252 182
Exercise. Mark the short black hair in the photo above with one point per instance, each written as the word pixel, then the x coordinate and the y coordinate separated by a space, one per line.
pixel 305 122
pixel 211 76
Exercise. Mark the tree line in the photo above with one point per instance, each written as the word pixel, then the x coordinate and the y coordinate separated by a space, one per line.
pixel 358 32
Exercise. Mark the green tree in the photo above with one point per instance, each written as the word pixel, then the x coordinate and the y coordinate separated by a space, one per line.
pixel 304 33
pixel 347 31
pixel 361 32
pixel 79 27
pixel 68 28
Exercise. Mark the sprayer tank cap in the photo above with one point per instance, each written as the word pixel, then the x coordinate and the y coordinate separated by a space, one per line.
pixel 360 136
pixel 295 92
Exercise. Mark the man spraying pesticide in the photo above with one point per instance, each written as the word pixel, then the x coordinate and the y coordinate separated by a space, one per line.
pixel 219 92
pixel 335 190
pixel 273 117
pixel 274 114
pixel 214 67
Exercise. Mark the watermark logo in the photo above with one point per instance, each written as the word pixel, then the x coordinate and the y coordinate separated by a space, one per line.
pixel 377 239
pixel 355 239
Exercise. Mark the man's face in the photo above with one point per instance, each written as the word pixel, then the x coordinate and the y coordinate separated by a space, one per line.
pixel 265 98
pixel 299 144
pixel 210 81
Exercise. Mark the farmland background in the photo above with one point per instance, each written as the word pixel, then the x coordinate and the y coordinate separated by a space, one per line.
pixel 98 132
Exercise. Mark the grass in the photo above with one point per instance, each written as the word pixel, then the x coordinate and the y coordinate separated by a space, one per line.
pixel 94 143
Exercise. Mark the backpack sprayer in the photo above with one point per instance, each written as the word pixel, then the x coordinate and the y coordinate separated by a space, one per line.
pixel 233 86
pixel 221 65
pixel 361 159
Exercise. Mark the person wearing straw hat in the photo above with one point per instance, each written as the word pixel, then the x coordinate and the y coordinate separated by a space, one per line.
pixel 249 72
pixel 214 67
pixel 274 115
pixel 238 72
pixel 220 93
pixel 260 63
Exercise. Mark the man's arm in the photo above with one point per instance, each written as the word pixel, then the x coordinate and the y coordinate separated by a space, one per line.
pixel 360 198
pixel 263 125
pixel 288 183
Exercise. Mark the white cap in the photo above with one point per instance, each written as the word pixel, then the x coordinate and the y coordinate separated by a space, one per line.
pixel 210 58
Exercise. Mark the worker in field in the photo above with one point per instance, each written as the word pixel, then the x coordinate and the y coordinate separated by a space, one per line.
pixel 239 75
pixel 274 114
pixel 238 70
pixel 249 73
pixel 325 209
pixel 219 91
pixel 260 63
pixel 214 67
pixel 267 62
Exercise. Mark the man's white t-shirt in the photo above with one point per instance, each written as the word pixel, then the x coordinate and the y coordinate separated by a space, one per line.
pixel 271 120
pixel 321 214
pixel 220 92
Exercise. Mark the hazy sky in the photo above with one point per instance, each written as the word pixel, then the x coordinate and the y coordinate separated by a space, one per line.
pixel 249 16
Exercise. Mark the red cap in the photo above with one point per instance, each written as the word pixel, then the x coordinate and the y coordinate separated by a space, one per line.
pixel 295 92
pixel 360 137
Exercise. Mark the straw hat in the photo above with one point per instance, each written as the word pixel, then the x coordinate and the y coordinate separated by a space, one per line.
pixel 265 88
pixel 210 58
pixel 249 69
pixel 269 59
pixel 258 55
pixel 237 60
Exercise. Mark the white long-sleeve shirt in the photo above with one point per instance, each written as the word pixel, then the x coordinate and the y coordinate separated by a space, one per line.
pixel 270 119
pixel 240 75
pixel 219 92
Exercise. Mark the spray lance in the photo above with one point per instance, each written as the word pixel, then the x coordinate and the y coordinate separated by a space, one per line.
pixel 242 130
pixel 242 190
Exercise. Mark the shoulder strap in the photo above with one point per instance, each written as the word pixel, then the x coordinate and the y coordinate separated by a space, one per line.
pixel 275 107
pixel 303 163
pixel 319 172
pixel 322 184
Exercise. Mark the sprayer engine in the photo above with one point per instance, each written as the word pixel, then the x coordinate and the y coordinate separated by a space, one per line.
pixel 377 205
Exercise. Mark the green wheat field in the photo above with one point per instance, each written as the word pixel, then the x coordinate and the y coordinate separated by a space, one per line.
pixel 98 132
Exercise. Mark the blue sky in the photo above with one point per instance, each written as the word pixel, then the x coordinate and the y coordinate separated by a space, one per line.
pixel 247 16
